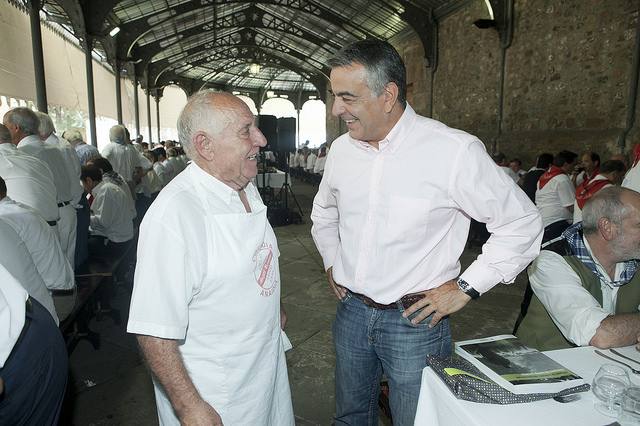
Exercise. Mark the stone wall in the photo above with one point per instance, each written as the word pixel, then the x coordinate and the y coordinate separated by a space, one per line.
pixel 567 76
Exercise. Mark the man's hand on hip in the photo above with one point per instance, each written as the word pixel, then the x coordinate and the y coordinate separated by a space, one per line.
pixel 338 290
pixel 201 414
pixel 441 301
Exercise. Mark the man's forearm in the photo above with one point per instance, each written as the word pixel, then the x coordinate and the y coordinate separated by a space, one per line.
pixel 617 330
pixel 166 363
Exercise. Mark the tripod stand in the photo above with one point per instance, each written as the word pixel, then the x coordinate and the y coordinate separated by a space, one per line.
pixel 286 188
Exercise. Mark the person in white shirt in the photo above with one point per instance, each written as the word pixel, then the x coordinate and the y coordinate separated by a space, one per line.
pixel 169 169
pixel 46 130
pixel 632 178
pixel 29 180
pixel 44 252
pixel 23 124
pixel 209 322
pixel 124 158
pixel 148 188
pixel 516 166
pixel 555 195
pixel 318 167
pixel 587 169
pixel 172 158
pixel 311 161
pixel 111 225
pixel 159 168
pixel 390 232
pixel 587 289
pixel 611 173
pixel 111 176
pixel 33 358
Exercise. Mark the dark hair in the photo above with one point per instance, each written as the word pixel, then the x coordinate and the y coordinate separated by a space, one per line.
pixel 3 188
pixel 517 161
pixel 159 151
pixel 381 61
pixel 611 166
pixel 102 163
pixel 564 157
pixel 544 160
pixel 91 171
pixel 594 157
pixel 499 157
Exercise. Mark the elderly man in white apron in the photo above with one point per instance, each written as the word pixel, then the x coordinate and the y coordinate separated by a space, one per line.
pixel 208 319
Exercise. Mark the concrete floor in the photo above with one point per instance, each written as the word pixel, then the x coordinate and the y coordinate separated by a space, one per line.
pixel 113 387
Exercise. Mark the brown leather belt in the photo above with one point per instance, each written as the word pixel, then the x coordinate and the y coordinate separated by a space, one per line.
pixel 406 301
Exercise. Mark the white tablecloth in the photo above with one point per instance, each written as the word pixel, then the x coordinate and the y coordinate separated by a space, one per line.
pixel 274 180
pixel 437 406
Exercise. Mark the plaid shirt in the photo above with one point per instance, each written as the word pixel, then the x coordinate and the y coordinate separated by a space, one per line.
pixel 573 236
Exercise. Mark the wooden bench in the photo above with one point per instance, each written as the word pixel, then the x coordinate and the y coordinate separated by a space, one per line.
pixel 93 280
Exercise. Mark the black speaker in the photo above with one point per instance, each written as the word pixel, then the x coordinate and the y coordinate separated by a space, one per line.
pixel 268 125
pixel 286 134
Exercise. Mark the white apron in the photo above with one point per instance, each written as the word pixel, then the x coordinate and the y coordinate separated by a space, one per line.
pixel 234 350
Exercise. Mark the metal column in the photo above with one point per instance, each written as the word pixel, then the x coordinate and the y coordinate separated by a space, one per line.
pixel 136 106
pixel 38 60
pixel 118 93
pixel 88 43
pixel 158 114
pixel 149 114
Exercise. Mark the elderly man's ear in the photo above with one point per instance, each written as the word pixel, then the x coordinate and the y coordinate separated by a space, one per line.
pixel 203 145
pixel 607 229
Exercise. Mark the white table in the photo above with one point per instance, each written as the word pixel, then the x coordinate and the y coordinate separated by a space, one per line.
pixel 274 180
pixel 438 406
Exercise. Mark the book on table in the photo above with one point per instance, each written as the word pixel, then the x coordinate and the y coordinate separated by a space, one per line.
pixel 516 367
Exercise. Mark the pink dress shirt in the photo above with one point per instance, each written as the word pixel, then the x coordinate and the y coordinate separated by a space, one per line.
pixel 395 221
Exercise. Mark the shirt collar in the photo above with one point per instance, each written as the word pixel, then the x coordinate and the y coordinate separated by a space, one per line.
pixel 30 140
pixel 397 134
pixel 212 184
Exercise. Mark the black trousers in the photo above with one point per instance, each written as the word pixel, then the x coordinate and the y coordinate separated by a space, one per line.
pixel 35 374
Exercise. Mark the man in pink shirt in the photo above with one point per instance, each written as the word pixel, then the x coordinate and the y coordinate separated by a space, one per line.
pixel 391 231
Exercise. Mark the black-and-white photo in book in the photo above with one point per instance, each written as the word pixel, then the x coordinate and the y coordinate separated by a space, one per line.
pixel 516 367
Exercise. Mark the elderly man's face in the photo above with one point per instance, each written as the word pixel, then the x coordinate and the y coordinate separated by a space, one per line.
pixel 236 148
pixel 357 105
pixel 626 245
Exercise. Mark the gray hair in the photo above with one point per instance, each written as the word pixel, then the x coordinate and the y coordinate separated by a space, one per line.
pixel 46 127
pixel 24 118
pixel 381 61
pixel 200 113
pixel 171 152
pixel 5 134
pixel 118 134
pixel 73 135
pixel 607 203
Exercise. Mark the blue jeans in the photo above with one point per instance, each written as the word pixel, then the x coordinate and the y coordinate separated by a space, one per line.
pixel 370 342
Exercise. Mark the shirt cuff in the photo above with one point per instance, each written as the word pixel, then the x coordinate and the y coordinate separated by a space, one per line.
pixel 582 331
pixel 156 330
pixel 481 278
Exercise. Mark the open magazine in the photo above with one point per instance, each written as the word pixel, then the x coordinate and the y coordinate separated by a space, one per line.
pixel 515 366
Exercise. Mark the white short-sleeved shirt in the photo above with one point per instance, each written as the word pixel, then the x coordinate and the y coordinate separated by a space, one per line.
pixel 72 163
pixel 29 181
pixel 123 158
pixel 12 313
pixel 571 307
pixel 18 261
pixel 111 214
pixel 554 198
pixel 33 145
pixel 41 242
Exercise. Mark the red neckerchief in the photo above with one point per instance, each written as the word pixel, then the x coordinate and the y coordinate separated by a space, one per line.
pixel 548 175
pixel 587 190
pixel 636 154
pixel 588 179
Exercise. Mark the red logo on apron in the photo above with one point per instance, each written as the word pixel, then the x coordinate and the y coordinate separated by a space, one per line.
pixel 264 270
